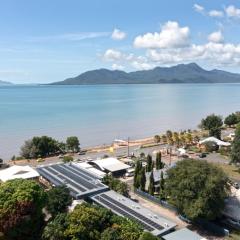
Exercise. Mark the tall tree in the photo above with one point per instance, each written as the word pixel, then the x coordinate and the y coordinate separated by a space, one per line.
pixel 142 179
pixel 235 150
pixel 212 121
pixel 162 186
pixel 157 139
pixel 151 184
pixel 197 189
pixel 136 180
pixel 149 163
pixel 159 163
pixel 73 144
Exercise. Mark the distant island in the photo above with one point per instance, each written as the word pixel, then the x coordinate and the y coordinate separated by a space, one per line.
pixel 182 73
pixel 4 83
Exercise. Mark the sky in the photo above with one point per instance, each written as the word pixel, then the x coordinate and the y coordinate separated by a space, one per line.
pixel 47 41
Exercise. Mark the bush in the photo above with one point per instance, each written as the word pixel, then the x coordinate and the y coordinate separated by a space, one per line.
pixel 211 146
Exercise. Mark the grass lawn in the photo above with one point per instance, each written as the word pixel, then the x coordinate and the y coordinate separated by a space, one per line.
pixel 230 170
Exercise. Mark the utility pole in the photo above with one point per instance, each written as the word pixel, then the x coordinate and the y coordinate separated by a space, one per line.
pixel 128 147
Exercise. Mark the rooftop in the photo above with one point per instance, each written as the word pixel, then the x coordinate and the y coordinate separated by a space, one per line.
pixel 24 172
pixel 217 141
pixel 80 182
pixel 183 234
pixel 123 206
pixel 111 164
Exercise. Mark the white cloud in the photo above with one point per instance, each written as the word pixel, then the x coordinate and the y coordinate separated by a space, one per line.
pixel 69 37
pixel 232 11
pixel 117 67
pixel 216 13
pixel 112 55
pixel 142 65
pixel 216 37
pixel 118 34
pixel 171 35
pixel 198 8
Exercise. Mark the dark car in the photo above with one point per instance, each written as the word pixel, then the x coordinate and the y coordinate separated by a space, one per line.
pixel 202 155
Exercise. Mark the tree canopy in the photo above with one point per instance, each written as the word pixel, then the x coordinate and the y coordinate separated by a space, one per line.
pixel 212 121
pixel 73 144
pixel 58 199
pixel 21 203
pixel 235 150
pixel 197 189
pixel 231 119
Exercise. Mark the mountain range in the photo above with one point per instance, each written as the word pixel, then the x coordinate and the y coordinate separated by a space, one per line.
pixel 182 73
pixel 4 83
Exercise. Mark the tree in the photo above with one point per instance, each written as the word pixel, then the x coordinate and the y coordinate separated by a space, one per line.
pixel 169 134
pixel 148 236
pixel 149 166
pixel 21 203
pixel 142 179
pixel 211 121
pixel 55 229
pixel 87 222
pixel 162 186
pixel 211 146
pixel 235 149
pixel 136 180
pixel 197 189
pixel 157 139
pixel 67 159
pixel 164 138
pixel 116 185
pixel 159 163
pixel 231 119
pixel 151 184
pixel 73 144
pixel 215 132
pixel 58 199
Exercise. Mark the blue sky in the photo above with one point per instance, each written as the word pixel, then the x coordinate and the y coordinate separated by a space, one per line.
pixel 45 41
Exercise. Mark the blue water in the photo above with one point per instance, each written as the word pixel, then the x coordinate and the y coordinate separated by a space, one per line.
pixel 99 114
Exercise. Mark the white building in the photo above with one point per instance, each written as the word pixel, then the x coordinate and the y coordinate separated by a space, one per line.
pixel 24 172
pixel 215 140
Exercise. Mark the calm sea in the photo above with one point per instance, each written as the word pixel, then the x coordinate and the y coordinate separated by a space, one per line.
pixel 99 114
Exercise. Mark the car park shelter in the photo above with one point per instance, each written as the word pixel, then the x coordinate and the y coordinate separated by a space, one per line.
pixel 123 206
pixel 80 182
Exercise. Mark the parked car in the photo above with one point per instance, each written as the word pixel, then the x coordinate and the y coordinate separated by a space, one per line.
pixel 184 218
pixel 202 155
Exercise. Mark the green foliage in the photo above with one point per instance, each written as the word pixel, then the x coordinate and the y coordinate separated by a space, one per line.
pixel 142 179
pixel 116 185
pixel 162 187
pixel 21 203
pixel 55 229
pixel 73 144
pixel 58 199
pixel 197 189
pixel 39 147
pixel 235 150
pixel 215 132
pixel 150 163
pixel 231 119
pixel 211 121
pixel 151 184
pixel 148 236
pixel 136 180
pixel 67 159
pixel 159 163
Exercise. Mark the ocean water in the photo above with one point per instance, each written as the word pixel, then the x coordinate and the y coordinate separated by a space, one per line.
pixel 98 114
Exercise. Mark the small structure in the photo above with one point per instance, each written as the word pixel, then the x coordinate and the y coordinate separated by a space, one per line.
pixel 183 234
pixel 181 151
pixel 156 176
pixel 215 140
pixel 24 172
pixel 96 172
pixel 125 207
pixel 111 165
pixel 80 182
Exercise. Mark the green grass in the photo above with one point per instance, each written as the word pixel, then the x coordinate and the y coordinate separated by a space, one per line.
pixel 234 236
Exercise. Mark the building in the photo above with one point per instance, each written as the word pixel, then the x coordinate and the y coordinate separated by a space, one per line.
pixel 183 234
pixel 96 172
pixel 110 165
pixel 80 182
pixel 13 172
pixel 216 141
pixel 125 207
